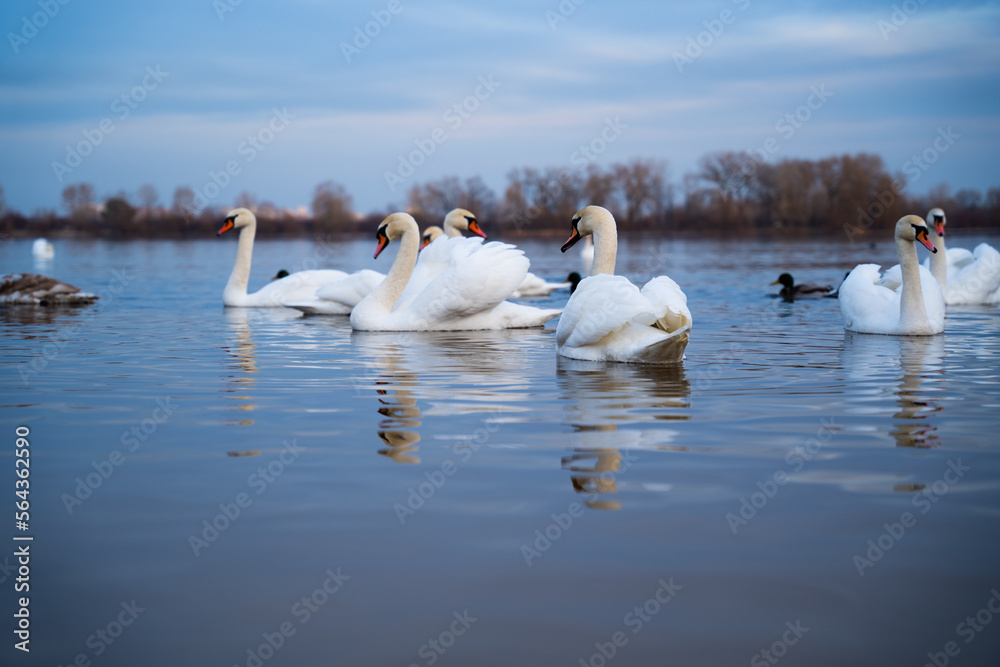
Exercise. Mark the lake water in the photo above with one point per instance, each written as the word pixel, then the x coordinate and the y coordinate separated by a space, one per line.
pixel 791 493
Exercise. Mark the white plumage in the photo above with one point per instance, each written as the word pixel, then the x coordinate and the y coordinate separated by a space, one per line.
pixel 608 318
pixel 298 286
pixel 468 294
pixel 915 308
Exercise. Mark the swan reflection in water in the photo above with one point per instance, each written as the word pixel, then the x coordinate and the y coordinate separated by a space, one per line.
pixel 418 374
pixel 611 408
pixel 915 361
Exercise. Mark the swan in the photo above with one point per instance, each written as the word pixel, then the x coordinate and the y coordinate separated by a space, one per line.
pixel 607 318
pixel 915 309
pixel 965 277
pixel 789 290
pixel 340 296
pixel 32 289
pixel 42 249
pixel 535 286
pixel 467 295
pixel 431 234
pixel 300 285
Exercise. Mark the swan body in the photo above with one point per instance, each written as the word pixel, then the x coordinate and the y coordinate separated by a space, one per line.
pixel 469 294
pixel 298 286
pixel 42 249
pixel 32 289
pixel 964 277
pixel 535 286
pixel 607 318
pixel 339 297
pixel 915 309
pixel 436 249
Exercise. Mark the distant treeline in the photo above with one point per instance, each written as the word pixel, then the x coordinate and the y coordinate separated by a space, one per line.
pixel 730 192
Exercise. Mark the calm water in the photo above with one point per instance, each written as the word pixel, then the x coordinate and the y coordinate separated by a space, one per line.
pixel 470 499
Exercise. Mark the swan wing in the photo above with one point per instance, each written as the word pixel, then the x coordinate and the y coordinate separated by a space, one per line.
pixel 601 305
pixel 350 289
pixel 974 281
pixel 298 286
pixel 669 304
pixel 866 304
pixel 433 260
pixel 478 278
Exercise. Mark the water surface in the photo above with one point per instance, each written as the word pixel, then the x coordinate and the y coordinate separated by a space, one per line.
pixel 470 498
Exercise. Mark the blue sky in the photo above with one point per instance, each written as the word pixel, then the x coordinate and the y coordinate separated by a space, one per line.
pixel 266 89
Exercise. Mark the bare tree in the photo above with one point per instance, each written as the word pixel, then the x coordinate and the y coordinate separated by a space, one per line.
pixel 147 198
pixel 432 200
pixel 78 201
pixel 331 207
pixel 246 200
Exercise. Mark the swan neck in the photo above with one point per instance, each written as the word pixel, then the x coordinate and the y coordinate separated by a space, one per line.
pixel 939 261
pixel 240 277
pixel 911 304
pixel 605 249
pixel 390 289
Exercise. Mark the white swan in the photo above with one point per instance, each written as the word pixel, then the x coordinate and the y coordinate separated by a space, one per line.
pixel 298 286
pixel 535 286
pixel 965 277
pixel 42 249
pixel 32 289
pixel 340 296
pixel 915 309
pixel 608 318
pixel 468 295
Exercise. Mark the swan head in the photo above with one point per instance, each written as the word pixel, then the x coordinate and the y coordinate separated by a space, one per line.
pixel 913 228
pixel 785 280
pixel 237 218
pixel 430 235
pixel 463 220
pixel 392 228
pixel 585 221
pixel 935 216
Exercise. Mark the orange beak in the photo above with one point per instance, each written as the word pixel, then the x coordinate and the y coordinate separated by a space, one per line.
pixel 426 241
pixel 939 227
pixel 383 241
pixel 476 229
pixel 923 238
pixel 573 238
pixel 226 226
